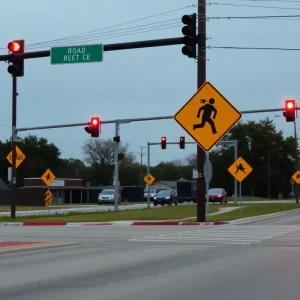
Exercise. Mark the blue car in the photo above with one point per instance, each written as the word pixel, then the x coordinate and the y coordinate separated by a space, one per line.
pixel 165 197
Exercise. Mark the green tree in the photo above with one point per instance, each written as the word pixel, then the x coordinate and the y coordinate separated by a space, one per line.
pixel 169 171
pixel 40 155
pixel 256 142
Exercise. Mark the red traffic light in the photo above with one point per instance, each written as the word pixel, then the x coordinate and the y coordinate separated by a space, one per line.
pixel 290 104
pixel 163 142
pixel 95 121
pixel 182 142
pixel 16 46
pixel 94 127
pixel 290 111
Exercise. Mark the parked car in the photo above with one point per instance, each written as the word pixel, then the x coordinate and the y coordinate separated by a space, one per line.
pixel 107 196
pixel 165 197
pixel 217 195
pixel 152 193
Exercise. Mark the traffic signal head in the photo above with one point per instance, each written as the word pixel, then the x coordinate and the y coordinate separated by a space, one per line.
pixel 163 142
pixel 290 111
pixel 17 66
pixel 182 142
pixel 190 35
pixel 94 127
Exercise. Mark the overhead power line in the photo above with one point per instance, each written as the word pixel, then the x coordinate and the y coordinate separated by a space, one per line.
pixel 253 48
pixel 254 6
pixel 254 17
pixel 116 25
pixel 144 28
pixel 281 1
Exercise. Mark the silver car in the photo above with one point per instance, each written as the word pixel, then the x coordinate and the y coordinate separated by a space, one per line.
pixel 107 196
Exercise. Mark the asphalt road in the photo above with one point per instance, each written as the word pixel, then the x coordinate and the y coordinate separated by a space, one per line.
pixel 156 263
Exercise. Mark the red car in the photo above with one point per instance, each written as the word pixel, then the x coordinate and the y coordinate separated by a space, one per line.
pixel 217 195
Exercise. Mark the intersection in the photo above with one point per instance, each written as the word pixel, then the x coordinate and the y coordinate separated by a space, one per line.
pixel 174 259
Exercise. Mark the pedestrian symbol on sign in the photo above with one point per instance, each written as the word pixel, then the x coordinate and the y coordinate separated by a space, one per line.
pixel 207 109
pixel 241 168
pixel 48 176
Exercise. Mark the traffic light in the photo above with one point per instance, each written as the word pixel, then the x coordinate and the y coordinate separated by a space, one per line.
pixel 163 142
pixel 182 142
pixel 190 35
pixel 17 66
pixel 121 156
pixel 290 110
pixel 94 127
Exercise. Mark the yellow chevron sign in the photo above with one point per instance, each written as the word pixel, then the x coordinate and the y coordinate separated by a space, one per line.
pixel 48 199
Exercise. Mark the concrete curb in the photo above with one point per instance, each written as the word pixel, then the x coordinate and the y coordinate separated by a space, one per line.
pixel 116 223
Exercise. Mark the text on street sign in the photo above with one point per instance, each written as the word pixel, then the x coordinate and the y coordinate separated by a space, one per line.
pixel 76 54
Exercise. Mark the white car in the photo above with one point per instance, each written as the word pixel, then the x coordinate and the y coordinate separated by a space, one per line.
pixel 107 196
pixel 152 193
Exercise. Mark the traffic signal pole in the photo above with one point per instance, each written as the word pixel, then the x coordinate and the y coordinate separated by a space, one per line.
pixel 13 148
pixel 116 172
pixel 296 161
pixel 201 78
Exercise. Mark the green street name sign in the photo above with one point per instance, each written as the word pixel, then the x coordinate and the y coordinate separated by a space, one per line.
pixel 76 54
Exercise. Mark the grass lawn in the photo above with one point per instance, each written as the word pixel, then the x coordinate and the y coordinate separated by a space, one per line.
pixel 251 210
pixel 249 198
pixel 163 213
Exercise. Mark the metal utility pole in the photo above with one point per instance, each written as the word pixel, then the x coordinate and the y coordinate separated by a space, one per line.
pixel 296 161
pixel 201 78
pixel 235 181
pixel 148 172
pixel 142 154
pixel 116 173
pixel 13 148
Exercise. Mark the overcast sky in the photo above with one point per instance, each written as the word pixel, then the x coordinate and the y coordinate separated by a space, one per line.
pixel 144 82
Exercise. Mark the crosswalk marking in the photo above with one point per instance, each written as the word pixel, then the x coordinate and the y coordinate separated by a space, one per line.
pixel 230 235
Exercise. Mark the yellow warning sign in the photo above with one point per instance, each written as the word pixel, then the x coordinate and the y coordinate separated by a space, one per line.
pixel 48 177
pixel 296 177
pixel 149 179
pixel 207 116
pixel 240 169
pixel 19 159
pixel 48 199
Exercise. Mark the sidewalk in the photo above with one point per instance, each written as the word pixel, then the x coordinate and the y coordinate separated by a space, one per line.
pixel 221 211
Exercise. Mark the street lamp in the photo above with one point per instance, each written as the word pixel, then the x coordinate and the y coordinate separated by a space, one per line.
pixel 269 169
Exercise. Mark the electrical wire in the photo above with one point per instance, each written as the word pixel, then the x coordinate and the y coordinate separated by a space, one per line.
pixel 109 36
pixel 112 33
pixel 254 6
pixel 253 48
pixel 132 30
pixel 281 1
pixel 116 25
pixel 287 17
